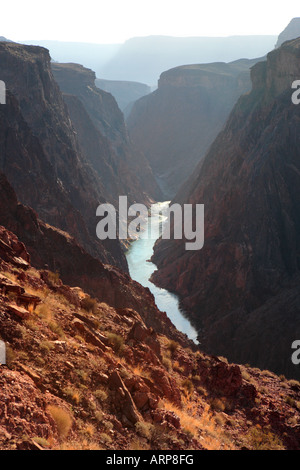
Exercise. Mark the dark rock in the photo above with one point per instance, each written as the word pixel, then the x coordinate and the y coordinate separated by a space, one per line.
pixel 40 153
pixel 242 289
pixel 103 137
pixel 175 125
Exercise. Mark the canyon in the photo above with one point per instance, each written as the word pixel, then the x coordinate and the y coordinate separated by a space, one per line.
pixel 246 278
pixel 175 125
pixel 100 334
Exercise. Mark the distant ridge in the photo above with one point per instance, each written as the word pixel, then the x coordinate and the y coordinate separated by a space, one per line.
pixel 292 31
pixel 144 59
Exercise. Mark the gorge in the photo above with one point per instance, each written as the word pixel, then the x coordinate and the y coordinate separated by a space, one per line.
pixel 180 336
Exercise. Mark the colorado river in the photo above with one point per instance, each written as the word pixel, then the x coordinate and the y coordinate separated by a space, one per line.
pixel 141 270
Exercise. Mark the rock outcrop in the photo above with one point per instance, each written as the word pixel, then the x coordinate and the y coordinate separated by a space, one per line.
pixel 242 289
pixel 175 125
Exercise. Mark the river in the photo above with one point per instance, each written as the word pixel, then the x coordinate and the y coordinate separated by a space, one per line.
pixel 138 254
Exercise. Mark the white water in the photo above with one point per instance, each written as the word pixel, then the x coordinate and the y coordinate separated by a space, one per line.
pixel 140 270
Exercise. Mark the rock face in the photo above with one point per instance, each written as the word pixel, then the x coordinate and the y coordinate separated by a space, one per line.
pixel 175 125
pixel 124 92
pixel 109 147
pixel 40 154
pixel 292 31
pixel 242 289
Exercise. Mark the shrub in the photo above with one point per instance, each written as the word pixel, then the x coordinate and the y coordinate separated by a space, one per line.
pixel 105 438
pixel 72 395
pixel 144 429
pixel 46 346
pixel 263 439
pixel 294 383
pixel 188 385
pixel 178 368
pixel 116 342
pixel 217 405
pixel 57 329
pixel 167 363
pixel 89 304
pixel 245 375
pixel 172 346
pixel 42 442
pixel 202 391
pixel 100 395
pixel 62 420
pixel 99 416
pixel 54 278
pixel 290 401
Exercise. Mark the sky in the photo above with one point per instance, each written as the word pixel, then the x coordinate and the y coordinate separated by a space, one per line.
pixel 115 21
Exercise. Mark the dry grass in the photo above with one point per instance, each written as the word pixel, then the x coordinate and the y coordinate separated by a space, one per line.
pixel 201 424
pixel 81 445
pixel 258 438
pixel 62 419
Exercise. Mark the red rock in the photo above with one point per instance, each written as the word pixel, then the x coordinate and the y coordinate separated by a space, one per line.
pixel 123 400
pixel 18 311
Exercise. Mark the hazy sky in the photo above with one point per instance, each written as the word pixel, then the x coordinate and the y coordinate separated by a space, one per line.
pixel 114 21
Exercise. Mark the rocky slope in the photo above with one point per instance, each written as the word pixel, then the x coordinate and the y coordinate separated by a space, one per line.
pixel 40 153
pixel 175 125
pixel 242 288
pixel 51 248
pixel 81 374
pixel 292 31
pixel 126 164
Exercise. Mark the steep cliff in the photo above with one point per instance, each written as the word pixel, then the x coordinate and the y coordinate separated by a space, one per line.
pixel 175 125
pixel 40 153
pixel 132 173
pixel 242 288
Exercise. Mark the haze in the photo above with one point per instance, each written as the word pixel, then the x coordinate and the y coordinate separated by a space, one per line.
pixel 116 21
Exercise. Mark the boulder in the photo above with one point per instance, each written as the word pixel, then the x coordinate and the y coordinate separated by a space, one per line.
pixel 123 400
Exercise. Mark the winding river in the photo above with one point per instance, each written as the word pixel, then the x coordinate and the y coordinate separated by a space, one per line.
pixel 138 254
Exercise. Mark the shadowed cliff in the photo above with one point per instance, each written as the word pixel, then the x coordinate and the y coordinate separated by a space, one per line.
pixel 242 288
